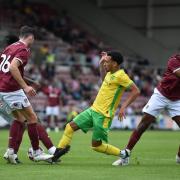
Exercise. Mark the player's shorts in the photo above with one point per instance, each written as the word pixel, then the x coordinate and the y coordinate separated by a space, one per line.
pixel 158 103
pixel 90 119
pixel 52 110
pixel 14 100
pixel 4 112
pixel 6 116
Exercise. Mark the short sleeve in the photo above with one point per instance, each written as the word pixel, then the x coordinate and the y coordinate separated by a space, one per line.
pixel 124 80
pixel 45 90
pixel 174 64
pixel 22 56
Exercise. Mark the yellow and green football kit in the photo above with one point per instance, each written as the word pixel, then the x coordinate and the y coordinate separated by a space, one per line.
pixel 99 115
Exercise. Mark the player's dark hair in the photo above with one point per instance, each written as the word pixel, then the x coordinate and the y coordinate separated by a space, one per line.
pixel 26 31
pixel 116 56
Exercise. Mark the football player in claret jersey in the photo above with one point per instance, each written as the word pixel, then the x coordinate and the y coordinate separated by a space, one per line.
pixel 52 110
pixel 13 90
pixel 166 96
pixel 99 116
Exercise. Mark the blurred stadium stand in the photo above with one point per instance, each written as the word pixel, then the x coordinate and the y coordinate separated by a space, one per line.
pixel 71 34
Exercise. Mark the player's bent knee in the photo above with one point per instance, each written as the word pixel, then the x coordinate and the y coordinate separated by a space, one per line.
pixel 96 143
pixel 73 126
pixel 32 118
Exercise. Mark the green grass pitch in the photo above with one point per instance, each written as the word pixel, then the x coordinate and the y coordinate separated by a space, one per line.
pixel 153 159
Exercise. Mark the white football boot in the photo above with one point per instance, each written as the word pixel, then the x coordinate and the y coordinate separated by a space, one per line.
pixel 5 156
pixel 39 155
pixel 124 158
pixel 11 156
pixel 177 159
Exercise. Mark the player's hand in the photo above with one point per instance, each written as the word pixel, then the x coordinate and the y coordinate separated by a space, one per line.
pixel 30 82
pixel 122 114
pixel 30 91
pixel 36 85
pixel 103 54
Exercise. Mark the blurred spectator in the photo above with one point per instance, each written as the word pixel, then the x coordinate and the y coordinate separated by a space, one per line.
pixel 50 65
pixel 53 107
pixel 72 112
pixel 69 55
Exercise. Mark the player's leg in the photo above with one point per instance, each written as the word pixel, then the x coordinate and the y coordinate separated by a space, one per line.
pixel 101 125
pixel 178 156
pixel 20 130
pixel 14 129
pixel 134 138
pixel 20 137
pixel 56 118
pixel 45 139
pixel 82 121
pixel 17 126
pixel 142 127
pixel 105 148
pixel 48 128
pixel 48 118
pixel 18 102
pixel 177 120
pixel 16 132
pixel 156 103
pixel 68 134
pixel 32 120
pixel 18 141
pixel 174 112
pixel 15 135
pixel 56 123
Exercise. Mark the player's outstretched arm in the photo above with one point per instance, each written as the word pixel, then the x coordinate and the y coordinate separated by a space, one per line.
pixel 103 72
pixel 17 76
pixel 133 94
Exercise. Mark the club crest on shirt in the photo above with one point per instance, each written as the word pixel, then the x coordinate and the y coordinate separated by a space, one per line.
pixel 16 105
pixel 112 77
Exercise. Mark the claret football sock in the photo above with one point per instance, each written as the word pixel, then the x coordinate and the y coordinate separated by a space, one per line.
pixel 13 133
pixel 33 135
pixel 19 137
pixel 43 136
pixel 67 137
pixel 107 149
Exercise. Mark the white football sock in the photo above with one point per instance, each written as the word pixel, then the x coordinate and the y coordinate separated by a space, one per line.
pixel 52 150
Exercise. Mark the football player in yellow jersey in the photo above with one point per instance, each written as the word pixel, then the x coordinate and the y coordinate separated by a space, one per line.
pixel 99 116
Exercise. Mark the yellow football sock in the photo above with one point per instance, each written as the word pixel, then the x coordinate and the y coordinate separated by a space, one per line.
pixel 67 136
pixel 107 149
